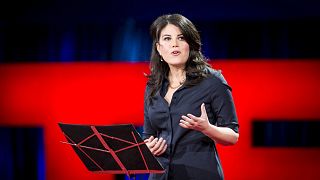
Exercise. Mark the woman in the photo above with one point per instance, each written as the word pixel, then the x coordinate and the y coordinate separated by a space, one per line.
pixel 188 105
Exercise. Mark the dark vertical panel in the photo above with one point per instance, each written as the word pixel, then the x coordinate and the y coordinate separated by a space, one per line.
pixel 285 133
pixel 21 153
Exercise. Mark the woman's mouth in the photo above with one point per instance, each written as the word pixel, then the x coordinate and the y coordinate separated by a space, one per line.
pixel 175 53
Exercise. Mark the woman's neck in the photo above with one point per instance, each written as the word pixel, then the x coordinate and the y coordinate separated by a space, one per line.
pixel 177 75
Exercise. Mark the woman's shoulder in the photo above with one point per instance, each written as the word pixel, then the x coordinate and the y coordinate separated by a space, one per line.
pixel 216 77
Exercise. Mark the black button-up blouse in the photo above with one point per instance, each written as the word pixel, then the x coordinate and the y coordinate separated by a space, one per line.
pixel 190 154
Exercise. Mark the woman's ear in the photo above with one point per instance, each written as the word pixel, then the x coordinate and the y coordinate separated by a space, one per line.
pixel 158 48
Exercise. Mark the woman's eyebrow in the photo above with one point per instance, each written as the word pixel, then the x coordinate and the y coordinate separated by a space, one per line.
pixel 166 35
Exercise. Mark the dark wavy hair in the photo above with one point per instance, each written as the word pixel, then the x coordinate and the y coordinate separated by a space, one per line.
pixel 196 63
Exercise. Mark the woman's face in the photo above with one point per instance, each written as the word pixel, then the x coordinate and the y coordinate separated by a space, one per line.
pixel 172 46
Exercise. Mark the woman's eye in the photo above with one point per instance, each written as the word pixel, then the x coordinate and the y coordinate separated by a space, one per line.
pixel 181 38
pixel 166 38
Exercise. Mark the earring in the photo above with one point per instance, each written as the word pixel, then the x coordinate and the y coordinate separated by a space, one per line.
pixel 161 59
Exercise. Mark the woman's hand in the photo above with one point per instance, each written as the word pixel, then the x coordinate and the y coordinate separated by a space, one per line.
pixel 221 135
pixel 156 146
pixel 197 123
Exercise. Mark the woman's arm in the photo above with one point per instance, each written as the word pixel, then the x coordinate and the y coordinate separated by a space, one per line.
pixel 221 135
pixel 157 146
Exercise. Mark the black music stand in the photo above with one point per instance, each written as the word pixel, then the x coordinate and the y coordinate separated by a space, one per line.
pixel 116 149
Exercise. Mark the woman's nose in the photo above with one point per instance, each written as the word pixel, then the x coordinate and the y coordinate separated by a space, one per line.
pixel 174 43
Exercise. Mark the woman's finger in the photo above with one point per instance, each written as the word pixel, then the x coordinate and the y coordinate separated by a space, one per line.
pixel 188 120
pixel 194 118
pixel 162 144
pixel 149 139
pixel 182 124
pixel 203 111
pixel 152 143
pixel 157 145
pixel 163 150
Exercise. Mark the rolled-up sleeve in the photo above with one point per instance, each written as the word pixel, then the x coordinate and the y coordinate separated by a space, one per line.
pixel 224 108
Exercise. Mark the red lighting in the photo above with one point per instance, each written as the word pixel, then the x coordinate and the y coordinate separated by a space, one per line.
pixel 112 93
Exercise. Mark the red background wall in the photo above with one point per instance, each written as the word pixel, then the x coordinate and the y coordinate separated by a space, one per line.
pixel 44 94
